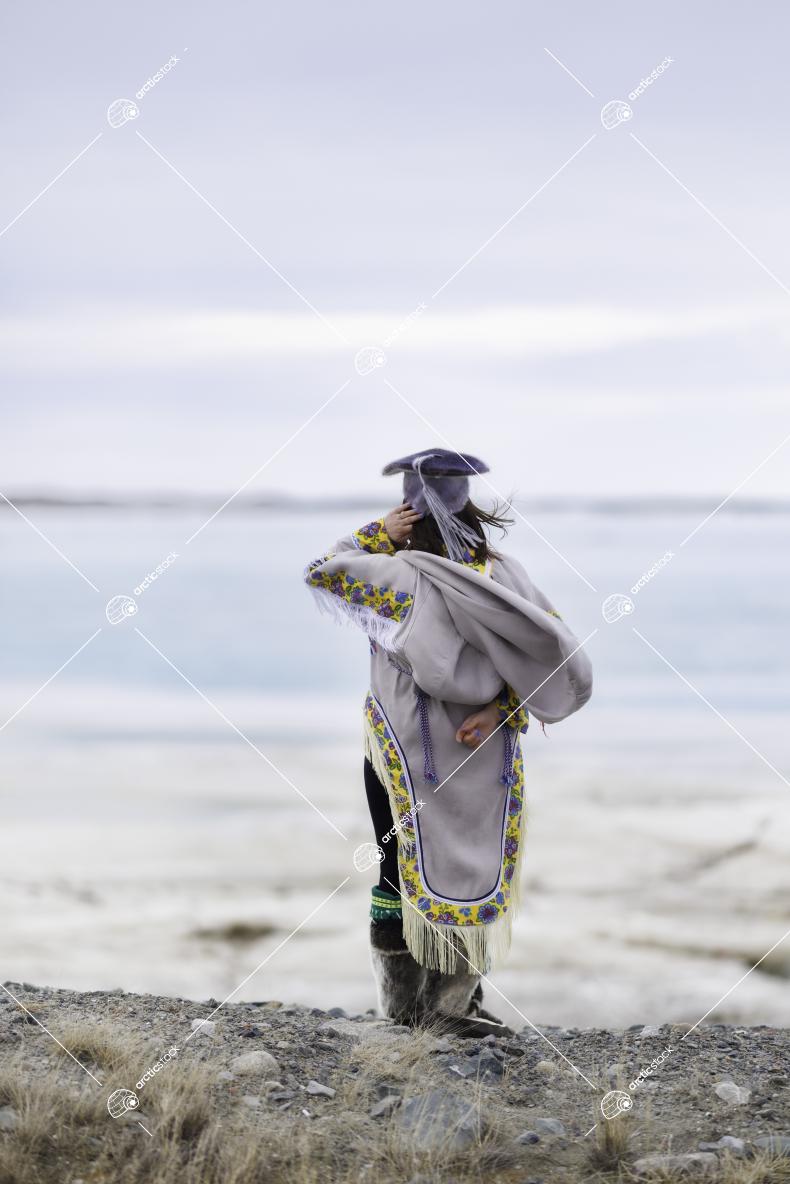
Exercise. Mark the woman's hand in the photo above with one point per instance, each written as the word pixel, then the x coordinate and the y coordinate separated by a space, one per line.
pixel 479 726
pixel 399 522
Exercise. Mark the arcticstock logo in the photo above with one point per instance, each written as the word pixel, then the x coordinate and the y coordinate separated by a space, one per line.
pixel 615 1103
pixel 121 111
pixel 619 605
pixel 368 359
pixel 617 111
pixel 367 855
pixel 121 1101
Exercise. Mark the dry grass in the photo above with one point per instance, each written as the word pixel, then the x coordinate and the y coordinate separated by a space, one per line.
pixel 203 1136
pixel 762 1169
pixel 611 1151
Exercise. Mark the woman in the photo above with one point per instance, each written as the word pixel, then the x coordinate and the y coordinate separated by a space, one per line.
pixel 461 644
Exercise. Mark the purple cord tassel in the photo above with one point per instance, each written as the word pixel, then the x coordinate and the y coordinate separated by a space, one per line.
pixel 428 771
pixel 508 776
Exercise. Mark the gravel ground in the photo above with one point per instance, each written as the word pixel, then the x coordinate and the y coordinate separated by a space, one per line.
pixel 530 1099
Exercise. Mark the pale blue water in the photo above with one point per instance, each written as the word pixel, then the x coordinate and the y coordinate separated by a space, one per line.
pixel 232 612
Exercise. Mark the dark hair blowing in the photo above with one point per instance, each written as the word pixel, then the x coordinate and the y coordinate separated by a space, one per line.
pixel 425 534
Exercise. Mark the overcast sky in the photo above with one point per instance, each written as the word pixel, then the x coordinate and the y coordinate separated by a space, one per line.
pixel 601 331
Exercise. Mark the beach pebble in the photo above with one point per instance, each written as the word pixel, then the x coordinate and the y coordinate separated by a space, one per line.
pixel 528 1137
pixel 725 1143
pixel 204 1027
pixel 257 1061
pixel 650 1030
pixel 728 1091
pixel 337 1013
pixel 701 1163
pixel 251 1100
pixel 8 1118
pixel 385 1106
pixel 225 1075
pixel 318 1090
pixel 549 1126
pixel 441 1045
pixel 547 1068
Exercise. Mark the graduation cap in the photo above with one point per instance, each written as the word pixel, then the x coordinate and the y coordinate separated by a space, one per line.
pixel 436 482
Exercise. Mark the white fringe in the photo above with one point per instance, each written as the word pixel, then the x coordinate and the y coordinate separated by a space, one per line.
pixel 477 949
pixel 382 630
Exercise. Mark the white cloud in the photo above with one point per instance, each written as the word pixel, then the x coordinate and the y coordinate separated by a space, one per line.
pixel 90 340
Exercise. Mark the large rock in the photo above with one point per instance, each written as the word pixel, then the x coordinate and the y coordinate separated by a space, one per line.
pixel 252 1063
pixel 439 1119
pixel 729 1092
pixel 371 1031
pixel 548 1126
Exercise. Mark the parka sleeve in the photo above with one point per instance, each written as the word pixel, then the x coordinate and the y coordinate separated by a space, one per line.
pixel 372 538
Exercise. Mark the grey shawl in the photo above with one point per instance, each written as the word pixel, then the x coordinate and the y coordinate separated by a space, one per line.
pixel 451 636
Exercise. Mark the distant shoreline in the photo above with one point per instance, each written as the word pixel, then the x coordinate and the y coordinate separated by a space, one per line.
pixel 283 503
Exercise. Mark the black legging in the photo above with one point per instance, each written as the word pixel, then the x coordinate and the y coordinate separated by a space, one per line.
pixel 381 816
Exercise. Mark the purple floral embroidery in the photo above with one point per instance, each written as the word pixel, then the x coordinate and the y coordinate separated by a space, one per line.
pixel 487 913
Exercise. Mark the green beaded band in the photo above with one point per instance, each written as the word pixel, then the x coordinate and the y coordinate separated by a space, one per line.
pixel 385 906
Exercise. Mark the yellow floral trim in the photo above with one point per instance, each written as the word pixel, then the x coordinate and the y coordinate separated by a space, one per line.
pixel 374 538
pixel 509 701
pixel 444 912
pixel 384 602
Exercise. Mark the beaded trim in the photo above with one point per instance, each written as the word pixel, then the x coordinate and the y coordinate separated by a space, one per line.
pixel 384 906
